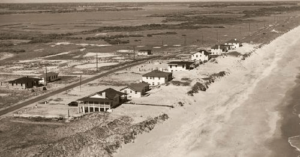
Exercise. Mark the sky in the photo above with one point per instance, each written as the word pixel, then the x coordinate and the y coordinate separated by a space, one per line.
pixel 55 1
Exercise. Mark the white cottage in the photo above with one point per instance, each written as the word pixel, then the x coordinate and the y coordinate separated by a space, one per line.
pixel 48 77
pixel 234 43
pixel 179 66
pixel 156 77
pixel 136 90
pixel 201 55
pixel 219 49
pixel 101 101
pixel 144 52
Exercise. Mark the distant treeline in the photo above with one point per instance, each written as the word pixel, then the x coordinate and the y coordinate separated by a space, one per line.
pixel 61 8
pixel 230 4
pixel 34 37
pixel 114 39
pixel 270 11
pixel 148 27
pixel 196 17
pixel 12 50
pixel 162 33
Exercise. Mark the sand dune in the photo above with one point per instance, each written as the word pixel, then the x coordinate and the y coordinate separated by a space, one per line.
pixel 237 116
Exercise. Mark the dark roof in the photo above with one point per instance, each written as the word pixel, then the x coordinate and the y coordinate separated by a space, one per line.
pixel 157 73
pixel 181 62
pixel 221 46
pixel 233 41
pixel 24 80
pixel 138 86
pixel 94 99
pixel 49 74
pixel 109 94
pixel 147 50
pixel 213 56
pixel 205 52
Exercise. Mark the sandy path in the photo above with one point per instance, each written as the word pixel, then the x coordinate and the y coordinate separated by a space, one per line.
pixel 236 117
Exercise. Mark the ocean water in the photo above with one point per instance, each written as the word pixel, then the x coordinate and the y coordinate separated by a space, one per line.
pixel 288 145
pixel 291 127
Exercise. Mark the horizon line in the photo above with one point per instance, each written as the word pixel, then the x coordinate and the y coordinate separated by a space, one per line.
pixel 136 1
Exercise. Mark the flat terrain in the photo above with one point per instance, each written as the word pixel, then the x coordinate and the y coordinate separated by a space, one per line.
pixel 239 114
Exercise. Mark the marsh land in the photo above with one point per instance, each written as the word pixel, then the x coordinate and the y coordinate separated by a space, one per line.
pixel 249 112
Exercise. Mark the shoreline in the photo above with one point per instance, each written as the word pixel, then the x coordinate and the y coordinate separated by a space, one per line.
pixel 198 135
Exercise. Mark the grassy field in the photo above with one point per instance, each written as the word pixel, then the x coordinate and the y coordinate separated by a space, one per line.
pixel 62 41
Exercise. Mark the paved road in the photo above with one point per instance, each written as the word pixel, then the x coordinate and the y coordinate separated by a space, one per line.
pixel 39 98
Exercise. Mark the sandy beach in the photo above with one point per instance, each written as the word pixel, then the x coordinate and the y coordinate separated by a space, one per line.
pixel 240 115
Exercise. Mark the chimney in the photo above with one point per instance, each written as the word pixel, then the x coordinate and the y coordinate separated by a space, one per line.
pixel 103 94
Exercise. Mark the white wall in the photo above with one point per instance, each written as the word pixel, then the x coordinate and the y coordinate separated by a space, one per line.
pixel 235 45
pixel 131 93
pixel 199 56
pixel 177 68
pixel 153 81
pixel 216 51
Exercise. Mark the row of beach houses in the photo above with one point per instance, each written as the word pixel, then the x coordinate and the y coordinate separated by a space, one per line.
pixel 110 98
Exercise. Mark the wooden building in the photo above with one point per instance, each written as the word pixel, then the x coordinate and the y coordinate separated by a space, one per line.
pixel 136 90
pixel 101 101
pixel 24 83
pixel 156 77
pixel 180 66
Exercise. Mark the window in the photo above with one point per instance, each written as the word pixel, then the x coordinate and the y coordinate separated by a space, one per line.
pixel 146 77
pixel 135 92
pixel 176 66
pixel 130 91
pixel 170 66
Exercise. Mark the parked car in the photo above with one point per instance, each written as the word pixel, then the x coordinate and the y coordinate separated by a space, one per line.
pixel 73 103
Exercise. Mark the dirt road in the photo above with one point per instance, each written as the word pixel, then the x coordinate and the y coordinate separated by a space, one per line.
pixel 39 98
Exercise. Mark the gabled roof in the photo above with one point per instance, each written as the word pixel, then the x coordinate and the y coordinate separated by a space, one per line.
pixel 200 51
pixel 180 63
pixel 49 74
pixel 157 73
pixel 138 86
pixel 24 80
pixel 110 94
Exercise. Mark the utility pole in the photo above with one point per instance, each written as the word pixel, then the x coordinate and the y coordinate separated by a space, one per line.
pixel 184 39
pixel 80 81
pixel 133 52
pixel 249 28
pixel 46 75
pixel 96 61
pixel 217 36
